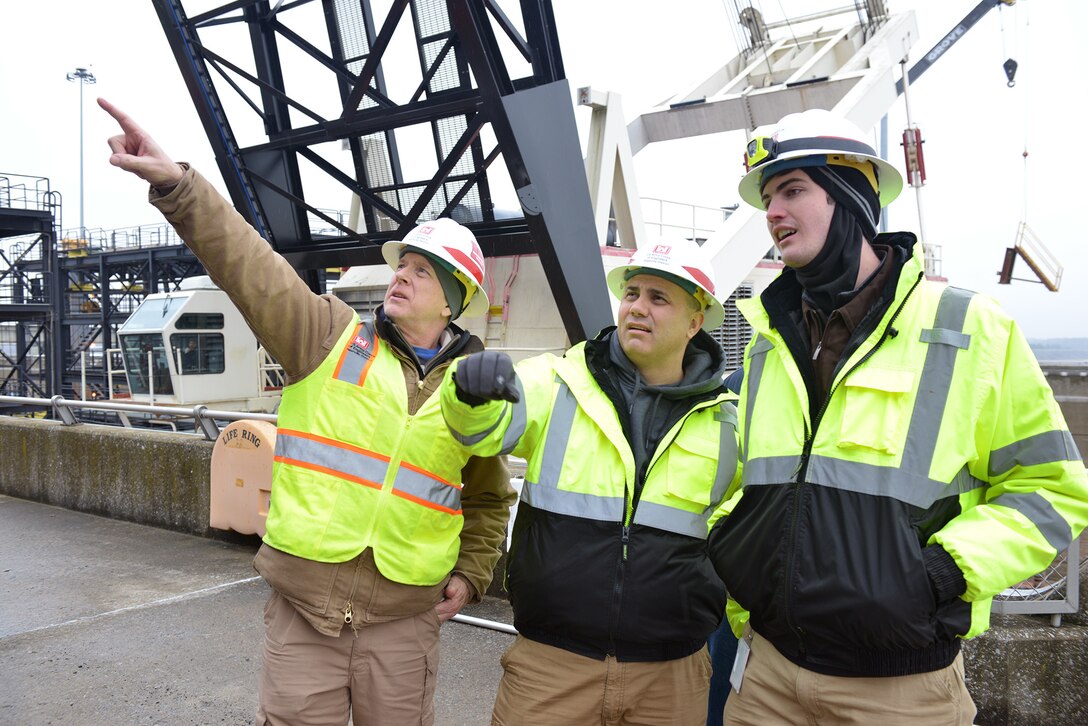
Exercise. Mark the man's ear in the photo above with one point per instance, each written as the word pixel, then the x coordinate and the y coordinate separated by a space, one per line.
pixel 696 324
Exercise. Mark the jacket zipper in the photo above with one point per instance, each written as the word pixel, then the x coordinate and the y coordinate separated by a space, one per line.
pixel 625 529
pixel 800 485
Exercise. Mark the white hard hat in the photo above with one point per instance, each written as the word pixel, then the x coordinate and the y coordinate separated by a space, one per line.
pixel 814 138
pixel 453 246
pixel 683 263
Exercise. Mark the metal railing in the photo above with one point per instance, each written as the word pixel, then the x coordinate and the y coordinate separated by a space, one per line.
pixel 204 418
pixel 664 218
pixel 1053 592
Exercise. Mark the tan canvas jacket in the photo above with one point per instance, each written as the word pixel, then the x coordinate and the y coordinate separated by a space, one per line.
pixel 299 328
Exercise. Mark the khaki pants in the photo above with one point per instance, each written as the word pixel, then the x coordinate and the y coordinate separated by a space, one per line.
pixel 774 691
pixel 546 686
pixel 385 674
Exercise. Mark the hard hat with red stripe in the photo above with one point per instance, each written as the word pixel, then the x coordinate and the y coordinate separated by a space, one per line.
pixel 455 248
pixel 682 262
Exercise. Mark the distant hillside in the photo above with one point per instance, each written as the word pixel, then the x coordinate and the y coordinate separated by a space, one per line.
pixel 1060 349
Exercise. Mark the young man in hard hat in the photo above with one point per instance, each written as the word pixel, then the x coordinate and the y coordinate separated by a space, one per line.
pixel 630 441
pixel 904 458
pixel 381 526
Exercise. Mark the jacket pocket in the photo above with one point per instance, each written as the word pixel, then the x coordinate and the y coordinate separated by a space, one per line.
pixel 875 414
pixel 690 466
pixel 305 583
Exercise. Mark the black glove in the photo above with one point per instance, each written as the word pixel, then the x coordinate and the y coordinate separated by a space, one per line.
pixel 485 376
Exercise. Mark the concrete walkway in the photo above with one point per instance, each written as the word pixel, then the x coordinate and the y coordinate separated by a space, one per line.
pixel 108 622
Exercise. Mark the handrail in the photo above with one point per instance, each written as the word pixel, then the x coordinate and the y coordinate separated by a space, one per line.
pixel 203 416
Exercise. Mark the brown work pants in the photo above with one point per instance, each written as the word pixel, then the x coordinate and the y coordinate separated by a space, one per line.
pixel 774 690
pixel 385 673
pixel 546 686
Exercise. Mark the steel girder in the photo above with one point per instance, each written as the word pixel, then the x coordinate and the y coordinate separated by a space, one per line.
pixel 453 95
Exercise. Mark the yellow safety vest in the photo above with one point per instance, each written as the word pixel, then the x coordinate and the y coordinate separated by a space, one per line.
pixel 353 469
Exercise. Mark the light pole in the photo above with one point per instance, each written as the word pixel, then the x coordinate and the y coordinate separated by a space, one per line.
pixel 83 77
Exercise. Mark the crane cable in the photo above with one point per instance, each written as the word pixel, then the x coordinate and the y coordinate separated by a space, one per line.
pixel 1010 67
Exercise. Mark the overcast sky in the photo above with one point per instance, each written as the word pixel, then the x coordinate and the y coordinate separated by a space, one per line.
pixel 975 127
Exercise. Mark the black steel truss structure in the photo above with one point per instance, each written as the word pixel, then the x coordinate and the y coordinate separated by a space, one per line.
pixel 100 288
pixel 28 302
pixel 313 104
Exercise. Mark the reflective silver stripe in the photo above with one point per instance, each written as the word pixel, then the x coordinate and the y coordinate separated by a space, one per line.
pixel 545 493
pixel 727 454
pixel 337 460
pixel 516 429
pixel 1044 448
pixel 429 489
pixel 694 524
pixel 587 506
pixel 356 358
pixel 473 439
pixel 852 476
pixel 1041 513
pixel 945 337
pixel 671 519
pixel 934 383
pixel 900 484
pixel 771 470
pixel 757 359
pixel 555 442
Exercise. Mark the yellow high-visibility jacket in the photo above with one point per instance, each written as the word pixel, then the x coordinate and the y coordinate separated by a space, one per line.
pixel 605 560
pixel 938 459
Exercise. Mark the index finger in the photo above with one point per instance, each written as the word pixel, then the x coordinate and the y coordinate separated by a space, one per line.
pixel 120 116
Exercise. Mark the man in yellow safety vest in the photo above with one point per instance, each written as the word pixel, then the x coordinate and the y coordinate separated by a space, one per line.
pixel 381 525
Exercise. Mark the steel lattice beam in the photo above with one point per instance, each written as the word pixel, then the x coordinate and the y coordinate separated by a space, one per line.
pixel 462 88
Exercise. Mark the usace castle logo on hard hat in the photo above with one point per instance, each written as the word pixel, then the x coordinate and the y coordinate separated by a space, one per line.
pixel 659 253
pixel 425 230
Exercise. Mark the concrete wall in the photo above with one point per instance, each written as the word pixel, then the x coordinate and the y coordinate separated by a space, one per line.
pixel 151 477
pixel 1070 384
pixel 1023 671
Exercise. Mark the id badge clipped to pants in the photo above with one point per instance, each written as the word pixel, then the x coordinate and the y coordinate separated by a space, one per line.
pixel 744 649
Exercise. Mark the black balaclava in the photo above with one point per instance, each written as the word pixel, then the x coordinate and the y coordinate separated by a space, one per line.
pixel 832 275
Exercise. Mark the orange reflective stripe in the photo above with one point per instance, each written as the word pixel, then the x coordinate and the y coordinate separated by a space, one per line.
pixel 427 489
pixel 328 456
pixel 356 464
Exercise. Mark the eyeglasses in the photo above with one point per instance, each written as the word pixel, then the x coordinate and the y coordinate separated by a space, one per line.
pixel 759 150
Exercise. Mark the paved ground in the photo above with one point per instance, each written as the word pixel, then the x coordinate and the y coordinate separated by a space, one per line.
pixel 108 622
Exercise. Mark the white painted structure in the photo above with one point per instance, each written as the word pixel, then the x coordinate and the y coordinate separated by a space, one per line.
pixel 193 346
pixel 825 60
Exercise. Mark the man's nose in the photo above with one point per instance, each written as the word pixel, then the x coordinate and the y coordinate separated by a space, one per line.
pixel 774 209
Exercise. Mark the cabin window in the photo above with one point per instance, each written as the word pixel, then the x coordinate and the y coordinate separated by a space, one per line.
pixel 199 353
pixel 142 373
pixel 200 321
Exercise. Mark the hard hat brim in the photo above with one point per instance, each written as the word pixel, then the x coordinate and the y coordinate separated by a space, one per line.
pixel 889 180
